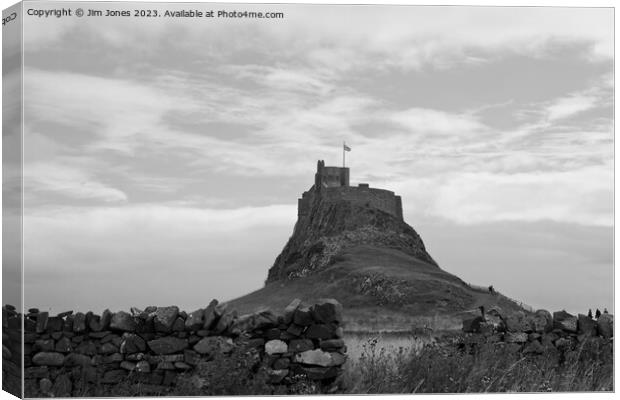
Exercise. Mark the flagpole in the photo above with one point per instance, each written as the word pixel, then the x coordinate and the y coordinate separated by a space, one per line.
pixel 342 154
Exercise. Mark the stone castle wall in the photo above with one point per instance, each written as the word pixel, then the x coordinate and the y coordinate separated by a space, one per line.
pixel 384 200
pixel 66 354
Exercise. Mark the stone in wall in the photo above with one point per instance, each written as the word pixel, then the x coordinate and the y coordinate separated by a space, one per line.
pixel 542 321
pixel 586 325
pixel 565 321
pixel 123 321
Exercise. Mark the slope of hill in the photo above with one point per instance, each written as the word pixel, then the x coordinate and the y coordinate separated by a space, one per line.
pixel 374 264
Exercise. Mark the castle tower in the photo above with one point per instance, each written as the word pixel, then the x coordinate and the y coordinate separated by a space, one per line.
pixel 330 176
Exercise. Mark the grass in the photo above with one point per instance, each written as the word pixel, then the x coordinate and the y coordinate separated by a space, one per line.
pixel 449 368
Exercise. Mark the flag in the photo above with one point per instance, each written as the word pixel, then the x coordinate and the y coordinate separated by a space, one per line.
pixel 346 148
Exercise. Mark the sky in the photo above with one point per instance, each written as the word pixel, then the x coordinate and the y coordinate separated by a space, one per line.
pixel 163 157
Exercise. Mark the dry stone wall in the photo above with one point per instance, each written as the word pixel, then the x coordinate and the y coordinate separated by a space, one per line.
pixel 538 332
pixel 155 346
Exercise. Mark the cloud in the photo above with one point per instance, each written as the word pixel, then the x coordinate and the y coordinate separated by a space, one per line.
pixel 436 122
pixel 68 181
pixel 126 117
pixel 597 95
pixel 153 217
pixel 581 196
pixel 569 106
pixel 113 113
pixel 303 80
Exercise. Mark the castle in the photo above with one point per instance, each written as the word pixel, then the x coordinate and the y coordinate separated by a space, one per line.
pixel 331 184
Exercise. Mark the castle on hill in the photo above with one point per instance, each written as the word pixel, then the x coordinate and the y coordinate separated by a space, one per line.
pixel 331 185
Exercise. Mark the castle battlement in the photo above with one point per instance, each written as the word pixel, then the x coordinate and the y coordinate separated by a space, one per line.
pixel 331 184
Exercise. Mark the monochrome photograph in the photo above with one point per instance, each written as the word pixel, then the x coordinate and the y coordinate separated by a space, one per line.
pixel 236 199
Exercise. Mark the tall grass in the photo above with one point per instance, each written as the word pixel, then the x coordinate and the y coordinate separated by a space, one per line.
pixel 444 368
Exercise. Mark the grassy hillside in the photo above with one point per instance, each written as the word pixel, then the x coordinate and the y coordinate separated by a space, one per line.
pixel 381 289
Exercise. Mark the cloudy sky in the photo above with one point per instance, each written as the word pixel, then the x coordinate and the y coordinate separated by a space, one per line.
pixel 164 157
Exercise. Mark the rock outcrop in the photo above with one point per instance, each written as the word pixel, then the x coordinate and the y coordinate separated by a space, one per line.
pixel 333 227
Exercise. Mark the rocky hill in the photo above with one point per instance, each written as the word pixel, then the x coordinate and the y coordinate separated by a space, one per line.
pixel 333 228
pixel 373 262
